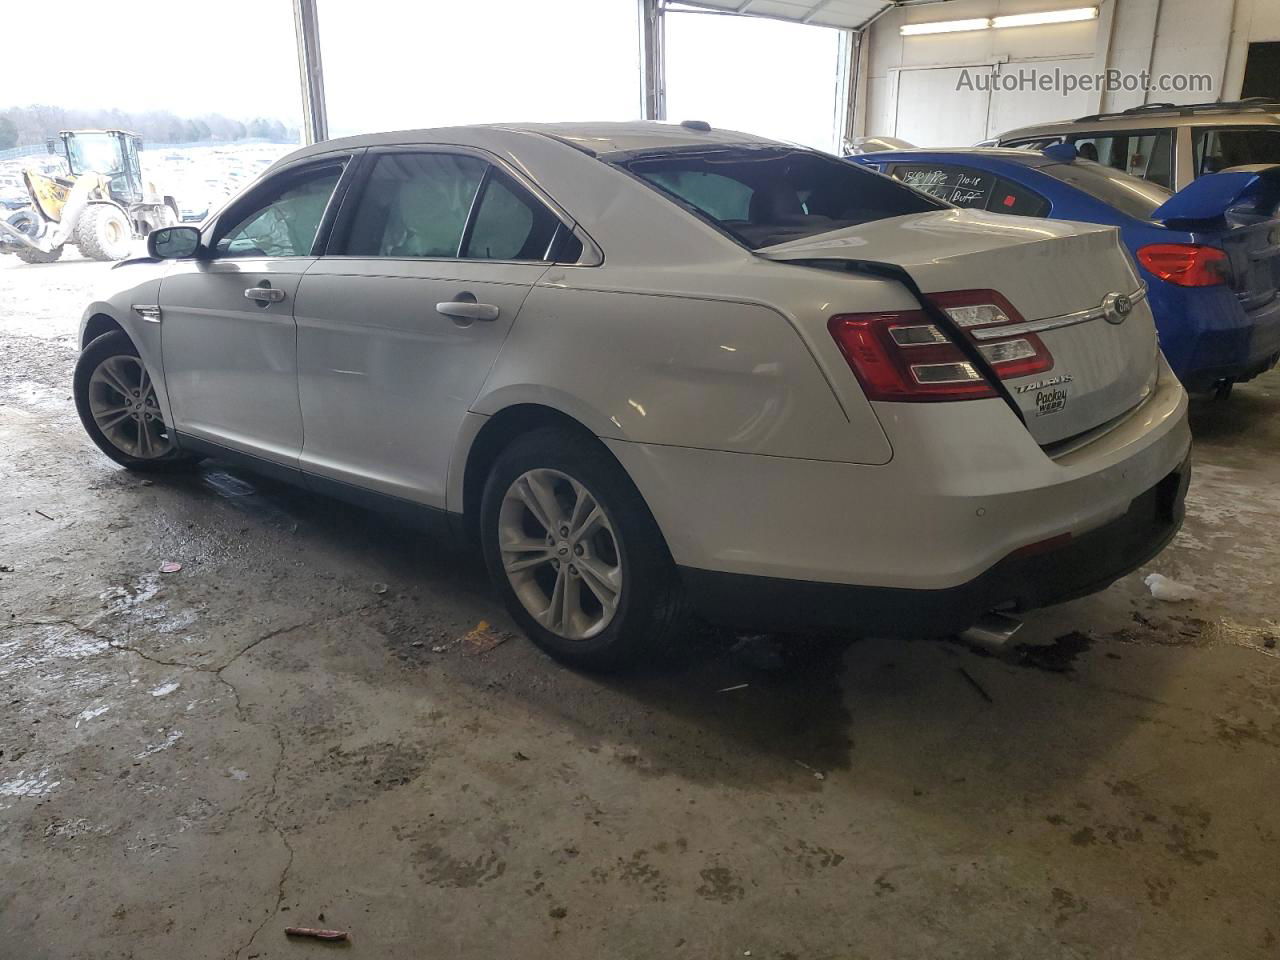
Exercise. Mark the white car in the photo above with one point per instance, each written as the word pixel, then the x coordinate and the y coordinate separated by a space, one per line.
pixel 657 367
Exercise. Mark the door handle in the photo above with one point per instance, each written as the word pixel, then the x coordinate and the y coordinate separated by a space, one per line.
pixel 467 310
pixel 264 294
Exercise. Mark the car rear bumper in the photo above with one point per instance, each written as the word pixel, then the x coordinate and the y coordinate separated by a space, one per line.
pixel 1022 581
pixel 1227 343
pixel 967 489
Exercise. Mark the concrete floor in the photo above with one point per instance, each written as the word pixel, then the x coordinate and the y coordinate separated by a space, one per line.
pixel 193 761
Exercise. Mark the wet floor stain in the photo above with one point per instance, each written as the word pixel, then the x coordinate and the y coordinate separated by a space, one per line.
pixel 720 884
pixel 1060 656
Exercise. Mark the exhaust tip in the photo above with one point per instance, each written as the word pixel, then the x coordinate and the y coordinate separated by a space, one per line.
pixel 992 632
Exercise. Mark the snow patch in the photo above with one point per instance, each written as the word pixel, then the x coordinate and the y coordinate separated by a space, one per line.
pixel 173 737
pixel 91 713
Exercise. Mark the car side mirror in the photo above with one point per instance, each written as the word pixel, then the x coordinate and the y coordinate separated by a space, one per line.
pixel 173 243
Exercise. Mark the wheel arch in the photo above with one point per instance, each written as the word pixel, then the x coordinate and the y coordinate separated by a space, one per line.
pixel 96 324
pixel 109 203
pixel 107 316
pixel 493 436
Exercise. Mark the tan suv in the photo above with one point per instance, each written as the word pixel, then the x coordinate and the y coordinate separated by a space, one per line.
pixel 1167 144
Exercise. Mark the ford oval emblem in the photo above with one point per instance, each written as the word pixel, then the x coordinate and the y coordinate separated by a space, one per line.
pixel 1116 307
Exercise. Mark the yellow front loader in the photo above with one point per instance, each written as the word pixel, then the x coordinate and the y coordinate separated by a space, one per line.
pixel 101 205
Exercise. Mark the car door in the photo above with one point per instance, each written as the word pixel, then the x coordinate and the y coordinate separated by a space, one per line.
pixel 399 324
pixel 229 342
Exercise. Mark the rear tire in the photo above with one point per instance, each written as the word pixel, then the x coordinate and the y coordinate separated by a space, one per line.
pixel 104 232
pixel 596 587
pixel 118 406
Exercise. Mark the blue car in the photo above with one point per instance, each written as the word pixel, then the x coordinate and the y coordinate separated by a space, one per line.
pixel 1209 254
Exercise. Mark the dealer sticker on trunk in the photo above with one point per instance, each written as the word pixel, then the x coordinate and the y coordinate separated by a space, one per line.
pixel 1051 394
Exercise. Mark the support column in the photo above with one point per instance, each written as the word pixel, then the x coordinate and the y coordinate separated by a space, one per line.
pixel 653 63
pixel 847 61
pixel 315 116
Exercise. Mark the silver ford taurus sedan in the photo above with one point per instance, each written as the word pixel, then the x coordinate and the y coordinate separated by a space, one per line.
pixel 654 369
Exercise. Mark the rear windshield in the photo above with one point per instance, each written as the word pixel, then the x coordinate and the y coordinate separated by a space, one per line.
pixel 1129 195
pixel 765 196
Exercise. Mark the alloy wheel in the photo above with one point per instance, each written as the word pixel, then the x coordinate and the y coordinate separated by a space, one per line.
pixel 560 553
pixel 123 402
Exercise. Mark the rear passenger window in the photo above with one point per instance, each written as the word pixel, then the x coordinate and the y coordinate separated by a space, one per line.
pixel 963 186
pixel 415 205
pixel 1148 155
pixel 1217 150
pixel 1010 197
pixel 972 188
pixel 509 224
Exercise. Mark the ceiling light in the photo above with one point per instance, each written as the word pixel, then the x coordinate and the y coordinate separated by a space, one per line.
pixel 1047 16
pixel 944 26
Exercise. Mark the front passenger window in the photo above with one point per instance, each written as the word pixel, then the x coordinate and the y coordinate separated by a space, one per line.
pixel 284 221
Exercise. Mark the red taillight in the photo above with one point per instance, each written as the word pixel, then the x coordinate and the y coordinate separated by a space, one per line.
pixel 1186 264
pixel 904 356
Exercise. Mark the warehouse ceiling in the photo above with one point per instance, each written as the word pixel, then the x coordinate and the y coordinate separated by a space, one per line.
pixel 845 14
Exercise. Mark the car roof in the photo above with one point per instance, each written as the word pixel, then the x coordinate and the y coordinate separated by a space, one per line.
pixel 603 139
pixel 599 139
pixel 1258 113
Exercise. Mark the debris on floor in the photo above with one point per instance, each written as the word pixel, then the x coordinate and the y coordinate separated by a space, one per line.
pixel 975 684
pixel 817 774
pixel 482 638
pixel 1057 657
pixel 315 933
pixel 379 588
pixel 1162 588
pixel 736 686
pixel 171 567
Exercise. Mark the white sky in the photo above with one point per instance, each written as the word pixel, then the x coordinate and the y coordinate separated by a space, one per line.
pixel 393 64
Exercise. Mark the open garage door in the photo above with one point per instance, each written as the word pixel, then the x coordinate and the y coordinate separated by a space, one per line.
pixel 754 74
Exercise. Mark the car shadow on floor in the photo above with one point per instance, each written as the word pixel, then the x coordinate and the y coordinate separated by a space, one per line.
pixel 737 710
pixel 1252 411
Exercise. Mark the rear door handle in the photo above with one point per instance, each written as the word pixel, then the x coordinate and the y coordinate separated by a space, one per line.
pixel 466 310
pixel 264 294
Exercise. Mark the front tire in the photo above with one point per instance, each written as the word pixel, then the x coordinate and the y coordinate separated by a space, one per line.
pixel 118 406
pixel 576 554
pixel 28 222
pixel 32 255
pixel 104 232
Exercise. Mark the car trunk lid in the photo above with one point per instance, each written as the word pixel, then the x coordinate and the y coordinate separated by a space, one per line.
pixel 1057 277
pixel 1237 206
